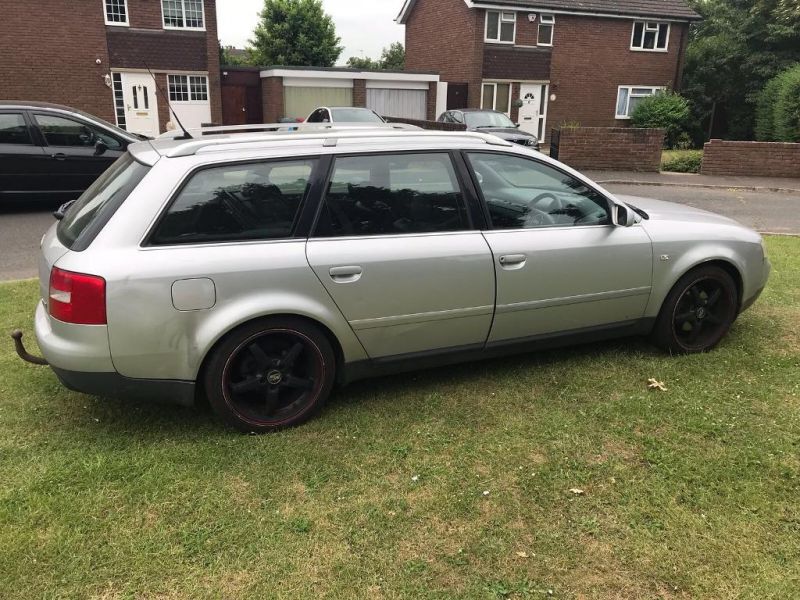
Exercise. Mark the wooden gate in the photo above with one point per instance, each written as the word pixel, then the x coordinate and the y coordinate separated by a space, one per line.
pixel 241 96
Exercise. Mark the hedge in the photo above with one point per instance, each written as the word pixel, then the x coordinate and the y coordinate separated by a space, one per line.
pixel 778 110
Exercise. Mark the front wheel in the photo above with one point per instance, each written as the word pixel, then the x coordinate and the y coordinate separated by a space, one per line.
pixel 269 374
pixel 697 312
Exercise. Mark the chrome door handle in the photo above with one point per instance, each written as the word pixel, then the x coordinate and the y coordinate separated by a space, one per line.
pixel 512 259
pixel 59 156
pixel 348 274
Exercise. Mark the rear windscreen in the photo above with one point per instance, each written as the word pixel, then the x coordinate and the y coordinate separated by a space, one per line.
pixel 91 211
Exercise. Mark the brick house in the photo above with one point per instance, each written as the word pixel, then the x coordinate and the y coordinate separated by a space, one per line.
pixel 584 61
pixel 94 56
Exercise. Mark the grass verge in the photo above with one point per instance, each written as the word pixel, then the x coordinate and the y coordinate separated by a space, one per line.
pixel 438 484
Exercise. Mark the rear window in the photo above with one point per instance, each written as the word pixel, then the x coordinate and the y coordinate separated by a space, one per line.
pixel 355 115
pixel 94 208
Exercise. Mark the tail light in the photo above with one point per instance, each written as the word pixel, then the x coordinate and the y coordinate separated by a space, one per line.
pixel 77 298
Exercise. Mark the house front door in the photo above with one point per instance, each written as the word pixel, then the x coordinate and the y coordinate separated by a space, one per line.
pixel 533 112
pixel 141 103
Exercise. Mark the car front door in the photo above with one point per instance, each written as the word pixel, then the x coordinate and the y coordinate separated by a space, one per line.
pixel 23 162
pixel 561 264
pixel 394 247
pixel 71 145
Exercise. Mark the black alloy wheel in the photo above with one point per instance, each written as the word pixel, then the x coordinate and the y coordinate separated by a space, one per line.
pixel 270 374
pixel 698 312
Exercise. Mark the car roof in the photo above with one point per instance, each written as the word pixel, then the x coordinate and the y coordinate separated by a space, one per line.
pixel 33 105
pixel 287 135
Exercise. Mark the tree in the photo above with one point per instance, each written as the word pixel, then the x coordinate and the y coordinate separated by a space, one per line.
pixel 393 58
pixel 295 33
pixel 234 57
pixel 665 110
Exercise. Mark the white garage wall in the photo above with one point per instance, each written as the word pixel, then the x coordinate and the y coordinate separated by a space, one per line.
pixel 300 101
pixel 407 104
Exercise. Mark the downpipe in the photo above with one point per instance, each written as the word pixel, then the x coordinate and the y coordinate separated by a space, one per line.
pixel 16 335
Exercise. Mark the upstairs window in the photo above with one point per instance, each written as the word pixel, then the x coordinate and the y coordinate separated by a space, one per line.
pixel 188 88
pixel 628 98
pixel 116 12
pixel 546 25
pixel 183 14
pixel 500 26
pixel 650 36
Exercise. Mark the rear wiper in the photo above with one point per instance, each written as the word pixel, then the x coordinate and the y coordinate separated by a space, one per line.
pixel 62 210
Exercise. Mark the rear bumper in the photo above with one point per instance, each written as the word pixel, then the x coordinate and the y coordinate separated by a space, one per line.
pixel 114 385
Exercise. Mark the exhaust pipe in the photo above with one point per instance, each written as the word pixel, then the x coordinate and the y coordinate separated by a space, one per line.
pixel 16 335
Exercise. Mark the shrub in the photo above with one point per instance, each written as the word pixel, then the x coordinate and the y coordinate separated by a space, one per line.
pixel 665 110
pixel 778 110
pixel 684 161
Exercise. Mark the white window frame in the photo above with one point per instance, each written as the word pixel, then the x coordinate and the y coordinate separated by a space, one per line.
pixel 183 14
pixel 550 22
pixel 649 26
pixel 494 84
pixel 186 77
pixel 501 18
pixel 654 89
pixel 125 23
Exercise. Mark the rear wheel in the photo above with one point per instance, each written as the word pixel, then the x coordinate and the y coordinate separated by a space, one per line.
pixel 270 374
pixel 697 312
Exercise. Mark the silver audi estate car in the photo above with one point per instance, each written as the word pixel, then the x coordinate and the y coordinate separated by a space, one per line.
pixel 261 269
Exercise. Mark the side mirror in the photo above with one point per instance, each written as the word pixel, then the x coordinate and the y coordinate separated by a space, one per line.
pixel 100 148
pixel 625 217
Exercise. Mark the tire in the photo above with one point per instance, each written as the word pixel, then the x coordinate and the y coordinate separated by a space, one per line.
pixel 698 311
pixel 270 374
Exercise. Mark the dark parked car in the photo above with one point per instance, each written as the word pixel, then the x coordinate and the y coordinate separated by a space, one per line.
pixel 490 121
pixel 53 152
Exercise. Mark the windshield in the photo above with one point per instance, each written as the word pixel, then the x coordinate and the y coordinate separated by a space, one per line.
pixel 476 120
pixel 98 203
pixel 355 115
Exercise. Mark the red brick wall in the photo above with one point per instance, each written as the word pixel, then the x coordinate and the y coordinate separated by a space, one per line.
pixel 754 159
pixel 360 92
pixel 430 109
pixel 446 37
pixel 54 61
pixel 611 148
pixel 272 98
pixel 591 58
pixel 146 14
pixel 212 44
pixel 432 125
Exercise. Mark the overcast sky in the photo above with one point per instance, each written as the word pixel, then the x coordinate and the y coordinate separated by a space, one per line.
pixel 365 26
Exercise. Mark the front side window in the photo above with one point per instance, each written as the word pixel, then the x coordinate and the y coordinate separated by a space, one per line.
pixel 392 194
pixel 649 35
pixel 183 14
pixel 546 26
pixel 61 131
pixel 319 116
pixel 500 26
pixel 13 129
pixel 187 88
pixel 116 12
pixel 253 201
pixel 629 97
pixel 525 194
pixel 496 96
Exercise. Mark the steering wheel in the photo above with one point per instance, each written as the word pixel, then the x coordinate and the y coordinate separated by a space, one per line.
pixel 538 217
pixel 554 203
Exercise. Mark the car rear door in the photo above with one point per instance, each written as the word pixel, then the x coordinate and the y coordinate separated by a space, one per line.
pixel 23 161
pixel 396 250
pixel 562 266
pixel 71 146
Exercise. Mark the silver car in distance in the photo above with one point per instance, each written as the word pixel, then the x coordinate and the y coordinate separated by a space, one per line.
pixel 262 268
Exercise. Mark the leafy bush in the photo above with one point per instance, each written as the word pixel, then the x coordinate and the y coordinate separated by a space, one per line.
pixel 778 111
pixel 665 110
pixel 682 161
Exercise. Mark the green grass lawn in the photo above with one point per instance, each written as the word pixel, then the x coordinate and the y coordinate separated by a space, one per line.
pixel 441 484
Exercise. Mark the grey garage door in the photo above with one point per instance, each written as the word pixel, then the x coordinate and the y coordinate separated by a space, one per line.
pixel 408 104
pixel 300 101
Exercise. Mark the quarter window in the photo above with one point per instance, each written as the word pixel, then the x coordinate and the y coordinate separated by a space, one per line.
pixel 187 88
pixel 392 194
pixel 500 26
pixel 183 14
pixel 116 12
pixel 649 35
pixel 629 97
pixel 13 129
pixel 546 26
pixel 525 194
pixel 60 131
pixel 255 201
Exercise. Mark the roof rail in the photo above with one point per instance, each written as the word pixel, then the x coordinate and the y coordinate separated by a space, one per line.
pixel 330 134
pixel 278 127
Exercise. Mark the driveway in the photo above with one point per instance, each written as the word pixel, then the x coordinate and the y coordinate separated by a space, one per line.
pixel 765 211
